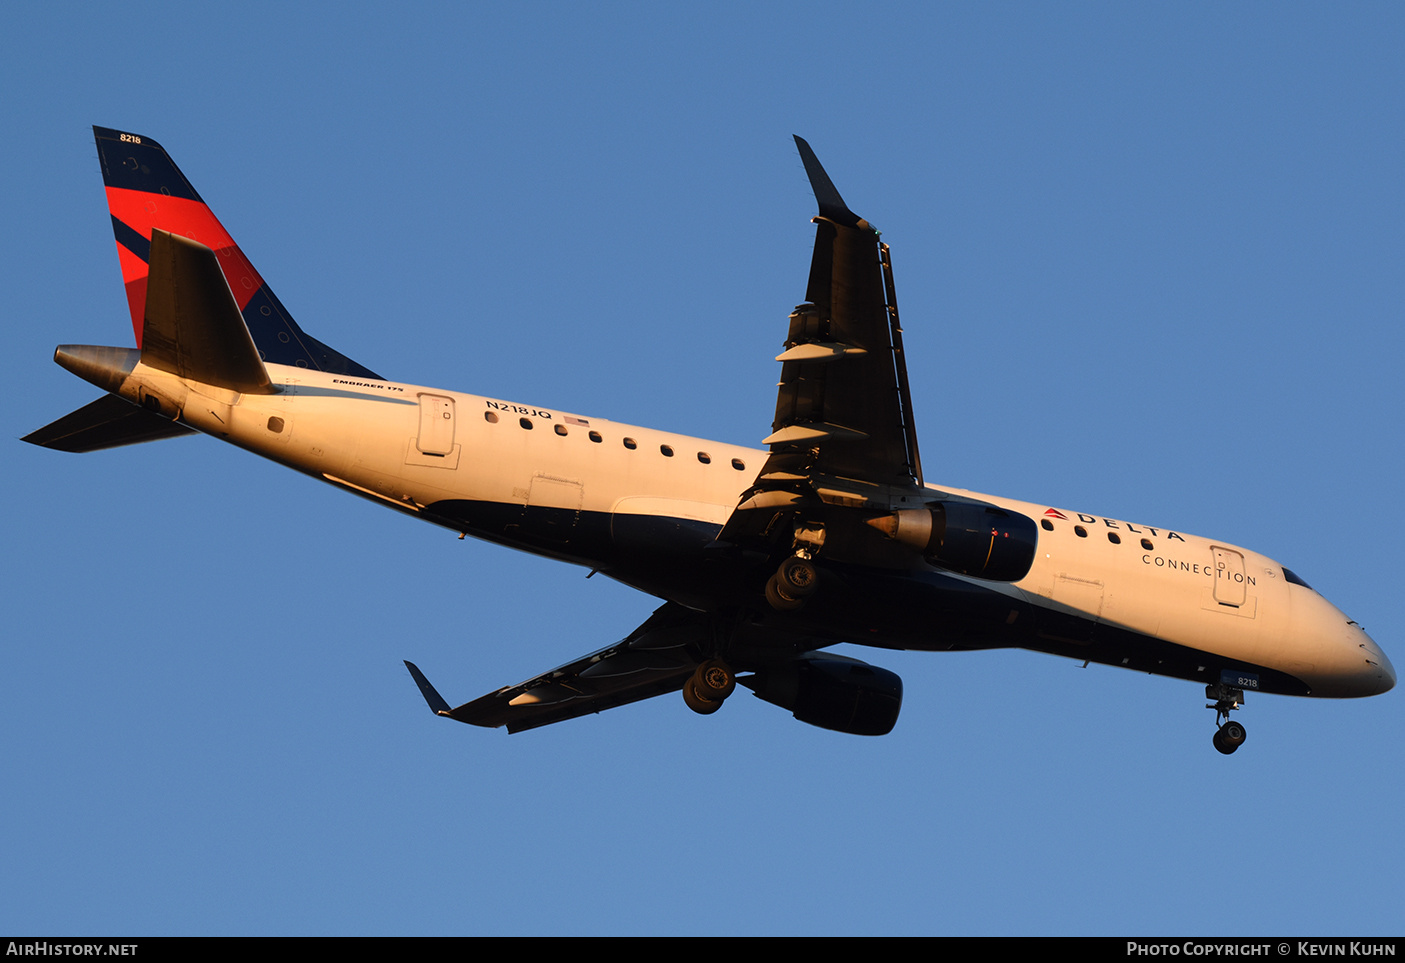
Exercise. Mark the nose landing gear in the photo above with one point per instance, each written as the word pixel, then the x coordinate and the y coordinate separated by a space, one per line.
pixel 1230 735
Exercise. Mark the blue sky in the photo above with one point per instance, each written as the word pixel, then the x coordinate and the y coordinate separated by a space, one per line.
pixel 1149 262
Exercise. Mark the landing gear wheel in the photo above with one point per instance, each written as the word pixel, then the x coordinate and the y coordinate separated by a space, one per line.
pixel 714 681
pixel 793 582
pixel 1229 737
pixel 797 577
pixel 696 702
pixel 779 599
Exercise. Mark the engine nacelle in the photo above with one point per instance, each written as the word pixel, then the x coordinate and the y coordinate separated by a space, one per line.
pixel 833 692
pixel 967 537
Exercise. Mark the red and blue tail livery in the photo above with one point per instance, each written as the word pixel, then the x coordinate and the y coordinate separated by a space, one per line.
pixel 146 191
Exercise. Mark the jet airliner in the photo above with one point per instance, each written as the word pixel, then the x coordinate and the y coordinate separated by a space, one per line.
pixel 762 558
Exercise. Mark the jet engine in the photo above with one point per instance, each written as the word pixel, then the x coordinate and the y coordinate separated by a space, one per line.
pixel 967 537
pixel 833 692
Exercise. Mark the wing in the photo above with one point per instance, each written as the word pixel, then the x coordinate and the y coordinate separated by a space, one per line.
pixel 843 406
pixel 843 424
pixel 654 659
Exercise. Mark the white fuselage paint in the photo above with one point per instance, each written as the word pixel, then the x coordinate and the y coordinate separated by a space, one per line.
pixel 410 447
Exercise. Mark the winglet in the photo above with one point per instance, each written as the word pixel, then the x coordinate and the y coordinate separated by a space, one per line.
pixel 832 206
pixel 437 705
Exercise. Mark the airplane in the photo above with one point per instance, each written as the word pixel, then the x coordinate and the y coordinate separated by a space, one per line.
pixel 763 559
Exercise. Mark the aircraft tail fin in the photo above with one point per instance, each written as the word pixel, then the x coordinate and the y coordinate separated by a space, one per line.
pixel 147 192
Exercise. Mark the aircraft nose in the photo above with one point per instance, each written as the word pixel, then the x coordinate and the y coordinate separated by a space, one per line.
pixel 1386 674
pixel 1374 674
pixel 1348 662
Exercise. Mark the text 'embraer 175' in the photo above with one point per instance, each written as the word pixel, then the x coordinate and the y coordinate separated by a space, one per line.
pixel 762 558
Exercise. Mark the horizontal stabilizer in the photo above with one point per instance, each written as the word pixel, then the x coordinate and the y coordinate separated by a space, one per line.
pixel 106 423
pixel 193 327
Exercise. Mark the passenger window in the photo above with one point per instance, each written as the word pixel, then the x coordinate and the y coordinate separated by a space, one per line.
pixel 561 430
pixel 667 451
pixel 595 437
pixel 491 417
pixel 525 423
pixel 1045 524
pixel 630 444
pixel 705 458
pixel 1146 544
pixel 738 464
pixel 1080 531
pixel 1114 538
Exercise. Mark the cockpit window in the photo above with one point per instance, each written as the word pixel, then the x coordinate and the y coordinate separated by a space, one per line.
pixel 1296 579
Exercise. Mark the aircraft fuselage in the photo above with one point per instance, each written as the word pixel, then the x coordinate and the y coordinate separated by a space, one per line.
pixel 586 490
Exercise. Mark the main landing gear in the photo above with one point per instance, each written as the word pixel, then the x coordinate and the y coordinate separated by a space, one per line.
pixel 795 581
pixel 712 682
pixel 1230 735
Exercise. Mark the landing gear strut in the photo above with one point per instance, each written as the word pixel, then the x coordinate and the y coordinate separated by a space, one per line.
pixel 1230 735
pixel 712 682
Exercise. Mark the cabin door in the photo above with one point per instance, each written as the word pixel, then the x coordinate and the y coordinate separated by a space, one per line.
pixel 1229 576
pixel 436 425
